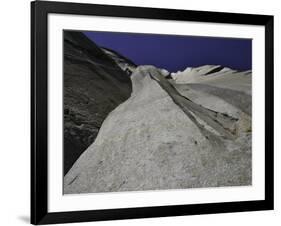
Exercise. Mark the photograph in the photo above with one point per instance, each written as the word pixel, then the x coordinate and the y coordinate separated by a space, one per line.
pixel 148 112
pixel 140 112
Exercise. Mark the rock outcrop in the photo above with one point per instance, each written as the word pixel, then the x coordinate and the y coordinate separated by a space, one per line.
pixel 190 129
pixel 94 84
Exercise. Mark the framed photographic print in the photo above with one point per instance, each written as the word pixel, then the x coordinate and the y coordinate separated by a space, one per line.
pixel 145 112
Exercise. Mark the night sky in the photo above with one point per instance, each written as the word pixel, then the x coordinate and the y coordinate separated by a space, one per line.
pixel 177 52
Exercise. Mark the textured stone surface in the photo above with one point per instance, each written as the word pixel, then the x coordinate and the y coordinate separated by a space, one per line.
pixel 150 141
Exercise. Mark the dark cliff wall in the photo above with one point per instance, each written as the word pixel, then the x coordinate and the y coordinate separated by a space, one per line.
pixel 93 86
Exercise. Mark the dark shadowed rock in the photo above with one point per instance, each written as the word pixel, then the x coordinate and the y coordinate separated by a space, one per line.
pixel 94 85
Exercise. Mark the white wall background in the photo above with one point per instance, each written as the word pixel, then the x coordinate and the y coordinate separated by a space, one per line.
pixel 15 113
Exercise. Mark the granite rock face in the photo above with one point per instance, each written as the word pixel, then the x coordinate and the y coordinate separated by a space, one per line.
pixel 190 129
pixel 94 84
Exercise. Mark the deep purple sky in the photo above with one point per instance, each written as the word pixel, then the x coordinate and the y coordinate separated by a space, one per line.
pixel 177 52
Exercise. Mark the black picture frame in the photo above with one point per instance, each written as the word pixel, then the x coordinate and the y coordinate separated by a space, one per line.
pixel 39 112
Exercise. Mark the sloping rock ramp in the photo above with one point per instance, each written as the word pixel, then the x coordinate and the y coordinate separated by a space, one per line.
pixel 150 142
